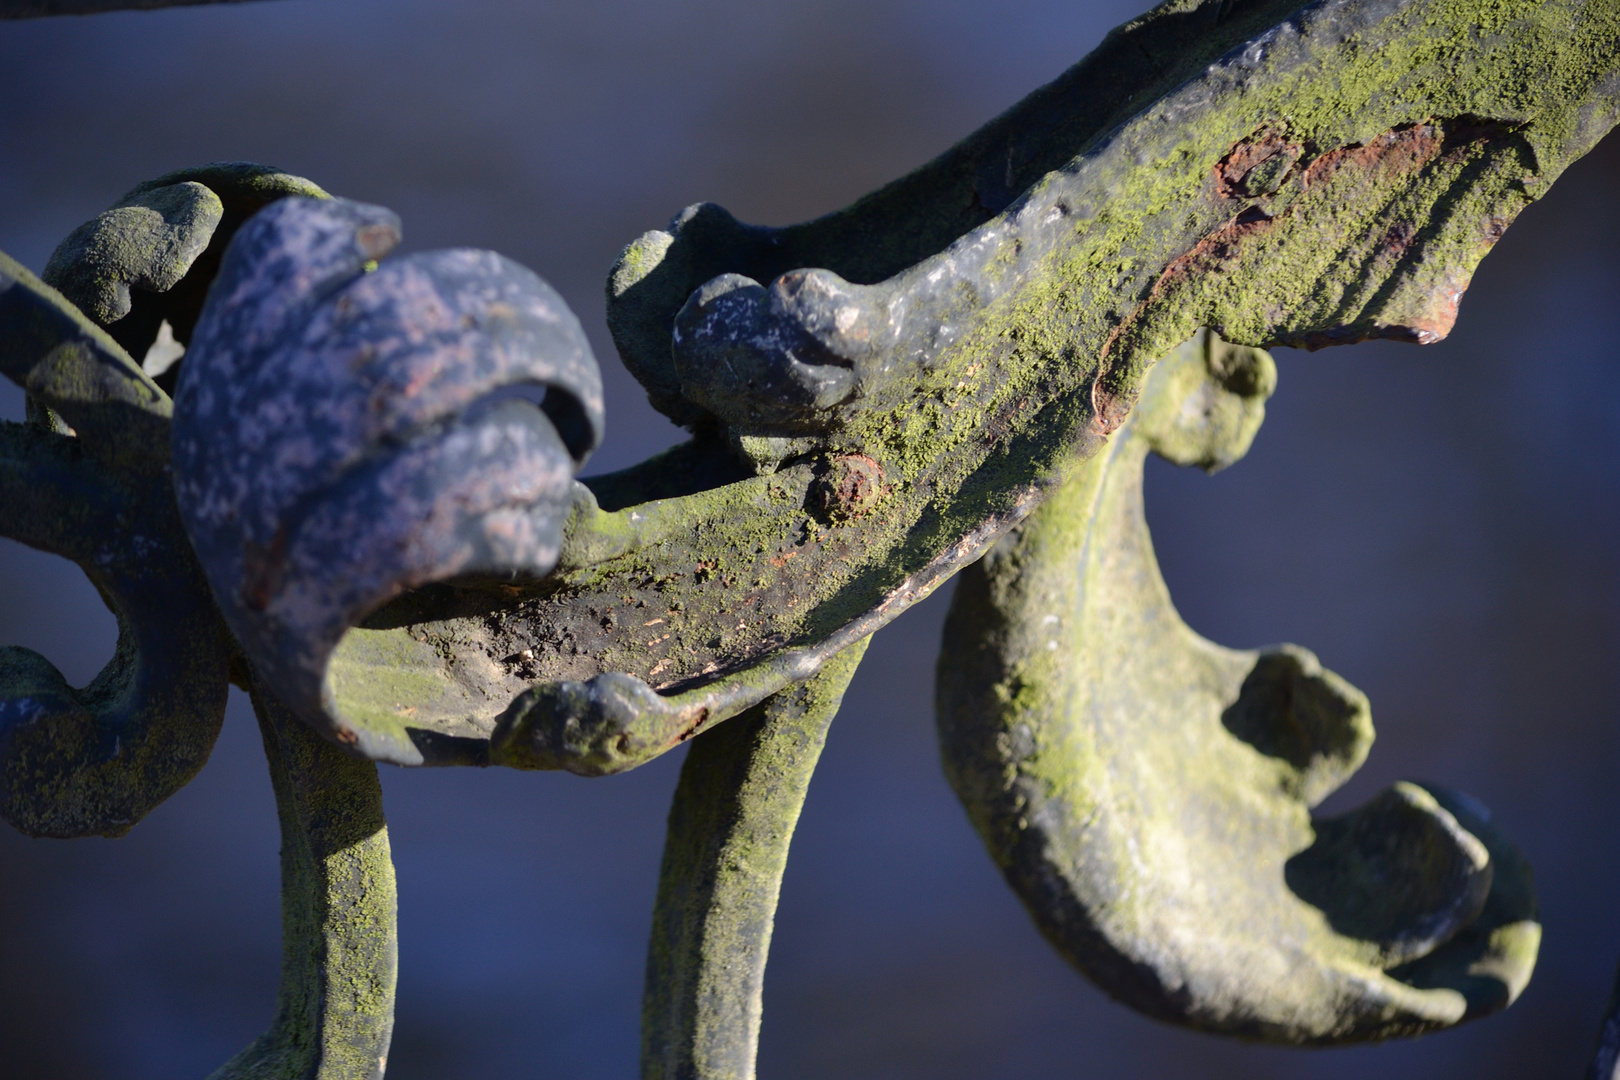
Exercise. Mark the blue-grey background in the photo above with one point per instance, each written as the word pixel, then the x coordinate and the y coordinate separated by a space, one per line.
pixel 1439 524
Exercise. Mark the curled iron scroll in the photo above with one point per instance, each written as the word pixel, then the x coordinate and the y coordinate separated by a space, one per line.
pixel 95 760
pixel 344 434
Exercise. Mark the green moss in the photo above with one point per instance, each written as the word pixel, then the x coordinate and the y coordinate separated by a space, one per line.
pixel 683 589
pixel 335 1006
pixel 733 817
pixel 1147 792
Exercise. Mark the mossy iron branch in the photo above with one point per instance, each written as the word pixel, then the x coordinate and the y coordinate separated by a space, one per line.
pixel 339 944
pixel 949 367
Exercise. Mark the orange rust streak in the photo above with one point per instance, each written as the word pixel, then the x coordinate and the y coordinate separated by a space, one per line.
pixel 1399 151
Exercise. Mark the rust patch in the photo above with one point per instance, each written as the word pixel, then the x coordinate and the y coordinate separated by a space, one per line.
pixel 1000 423
pixel 1401 150
pixel 261 570
pixel 1247 171
pixel 1495 226
pixel 851 486
pixel 1109 405
pixel 1435 322
pixel 1109 409
pixel 375 241
pixel 1208 254
pixel 1256 166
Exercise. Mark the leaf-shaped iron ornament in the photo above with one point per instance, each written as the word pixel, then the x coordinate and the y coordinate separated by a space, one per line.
pixel 1147 792
pixel 344 434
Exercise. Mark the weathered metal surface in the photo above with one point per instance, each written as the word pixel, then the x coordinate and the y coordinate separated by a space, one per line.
pixel 1146 792
pixel 88 479
pixel 343 436
pixel 339 906
pixel 150 259
pixel 148 241
pixel 98 759
pixel 736 806
pixel 73 368
pixel 1305 177
pixel 375 465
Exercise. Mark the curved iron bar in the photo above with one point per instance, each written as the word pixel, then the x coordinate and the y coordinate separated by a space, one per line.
pixel 878 396
pixel 735 808
pixel 339 940
pixel 97 760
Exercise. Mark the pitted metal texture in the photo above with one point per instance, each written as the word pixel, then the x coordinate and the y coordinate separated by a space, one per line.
pixel 346 434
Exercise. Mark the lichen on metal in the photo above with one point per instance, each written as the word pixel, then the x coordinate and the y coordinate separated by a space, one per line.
pixel 730 825
pixel 361 505
pixel 95 760
pixel 1147 792
pixel 972 369
pixel 339 939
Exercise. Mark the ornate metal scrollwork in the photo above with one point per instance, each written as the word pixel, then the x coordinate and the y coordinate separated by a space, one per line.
pixel 370 519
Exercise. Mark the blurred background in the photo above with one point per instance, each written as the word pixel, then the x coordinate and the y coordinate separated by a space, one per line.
pixel 1442 525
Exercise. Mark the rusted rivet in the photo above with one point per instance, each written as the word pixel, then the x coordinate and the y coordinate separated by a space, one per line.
pixel 851 485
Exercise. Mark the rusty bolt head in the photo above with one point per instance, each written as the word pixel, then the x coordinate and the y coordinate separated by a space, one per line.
pixel 851 485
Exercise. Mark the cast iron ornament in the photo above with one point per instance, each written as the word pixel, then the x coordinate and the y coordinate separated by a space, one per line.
pixel 373 459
